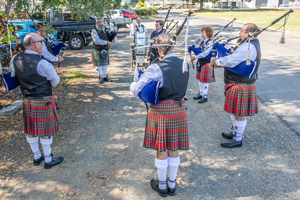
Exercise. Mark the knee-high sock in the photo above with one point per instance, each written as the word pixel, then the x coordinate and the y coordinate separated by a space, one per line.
pixel 46 143
pixel 233 122
pixel 240 128
pixel 99 69
pixel 162 166
pixel 34 144
pixel 205 89
pixel 200 88
pixel 104 68
pixel 173 168
pixel 137 59
pixel 143 59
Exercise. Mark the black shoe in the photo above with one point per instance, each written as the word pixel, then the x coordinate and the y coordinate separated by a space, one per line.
pixel 171 191
pixel 154 184
pixel 144 64
pixel 37 162
pixel 228 136
pixel 54 162
pixel 232 144
pixel 107 79
pixel 202 100
pixel 197 97
pixel 100 80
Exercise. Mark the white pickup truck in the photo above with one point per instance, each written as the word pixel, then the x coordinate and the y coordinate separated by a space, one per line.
pixel 116 16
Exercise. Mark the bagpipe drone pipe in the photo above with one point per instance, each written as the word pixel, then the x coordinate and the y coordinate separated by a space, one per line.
pixel 150 92
pixel 246 68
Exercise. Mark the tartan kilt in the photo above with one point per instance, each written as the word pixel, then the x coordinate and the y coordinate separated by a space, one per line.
pixel 167 127
pixel 241 99
pixel 40 119
pixel 206 74
pixel 97 60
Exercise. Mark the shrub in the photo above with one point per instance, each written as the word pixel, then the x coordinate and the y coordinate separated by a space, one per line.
pixel 143 12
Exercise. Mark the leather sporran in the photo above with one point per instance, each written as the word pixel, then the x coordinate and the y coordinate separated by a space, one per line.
pixel 103 54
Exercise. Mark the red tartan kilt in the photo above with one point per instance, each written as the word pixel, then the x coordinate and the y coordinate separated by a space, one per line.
pixel 206 74
pixel 40 119
pixel 241 99
pixel 167 127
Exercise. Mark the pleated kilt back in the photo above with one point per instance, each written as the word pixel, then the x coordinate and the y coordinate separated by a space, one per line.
pixel 97 60
pixel 40 116
pixel 167 127
pixel 206 74
pixel 241 99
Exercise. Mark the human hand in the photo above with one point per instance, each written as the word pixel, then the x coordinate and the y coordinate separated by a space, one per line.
pixel 60 59
pixel 192 58
pixel 114 41
pixel 109 43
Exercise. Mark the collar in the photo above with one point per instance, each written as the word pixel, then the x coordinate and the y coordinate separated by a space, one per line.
pixel 206 39
pixel 31 52
pixel 170 55
pixel 158 30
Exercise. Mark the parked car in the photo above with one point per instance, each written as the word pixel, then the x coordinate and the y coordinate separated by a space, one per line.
pixel 128 14
pixel 158 6
pixel 113 14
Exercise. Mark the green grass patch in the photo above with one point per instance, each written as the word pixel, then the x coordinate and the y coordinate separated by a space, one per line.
pixel 150 17
pixel 74 75
pixel 261 17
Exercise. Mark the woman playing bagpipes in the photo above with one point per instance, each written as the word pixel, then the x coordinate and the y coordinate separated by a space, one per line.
pixel 205 73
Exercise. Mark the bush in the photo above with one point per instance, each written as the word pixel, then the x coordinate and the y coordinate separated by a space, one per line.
pixel 143 12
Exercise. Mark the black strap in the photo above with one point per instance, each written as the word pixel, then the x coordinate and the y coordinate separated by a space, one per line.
pixel 171 181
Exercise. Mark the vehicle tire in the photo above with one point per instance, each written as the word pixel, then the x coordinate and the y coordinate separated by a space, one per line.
pixel 160 8
pixel 76 42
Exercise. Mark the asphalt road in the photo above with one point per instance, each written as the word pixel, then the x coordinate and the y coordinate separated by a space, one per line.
pixel 279 71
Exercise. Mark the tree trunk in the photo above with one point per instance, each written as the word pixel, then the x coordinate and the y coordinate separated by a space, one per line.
pixel 8 7
pixel 201 4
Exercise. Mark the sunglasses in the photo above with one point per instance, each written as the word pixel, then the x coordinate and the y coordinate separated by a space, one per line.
pixel 38 41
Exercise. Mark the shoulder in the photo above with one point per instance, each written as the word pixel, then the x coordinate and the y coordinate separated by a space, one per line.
pixel 43 62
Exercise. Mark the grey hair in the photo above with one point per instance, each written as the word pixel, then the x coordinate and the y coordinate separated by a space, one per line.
pixel 29 39
pixel 164 38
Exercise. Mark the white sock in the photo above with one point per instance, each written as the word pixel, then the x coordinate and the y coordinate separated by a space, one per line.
pixel 233 121
pixel 205 89
pixel 240 128
pixel 173 168
pixel 34 144
pixel 143 59
pixel 137 60
pixel 162 166
pixel 99 69
pixel 200 88
pixel 46 143
pixel 104 68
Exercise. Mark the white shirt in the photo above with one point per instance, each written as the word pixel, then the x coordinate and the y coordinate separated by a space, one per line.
pixel 205 53
pixel 44 68
pixel 97 40
pixel 240 55
pixel 152 73
pixel 50 57
pixel 132 32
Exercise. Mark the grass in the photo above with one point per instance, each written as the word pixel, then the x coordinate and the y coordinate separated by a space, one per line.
pixel 150 17
pixel 75 75
pixel 261 17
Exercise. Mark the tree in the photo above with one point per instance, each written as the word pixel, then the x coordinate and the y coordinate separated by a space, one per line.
pixel 202 1
pixel 82 8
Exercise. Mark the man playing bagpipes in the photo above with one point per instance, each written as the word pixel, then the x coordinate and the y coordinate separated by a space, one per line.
pixel 166 126
pixel 101 44
pixel 205 73
pixel 240 90
pixel 140 28
pixel 48 51
pixel 159 24
pixel 36 77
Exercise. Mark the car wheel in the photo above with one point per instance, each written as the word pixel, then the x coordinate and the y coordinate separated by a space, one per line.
pixel 76 42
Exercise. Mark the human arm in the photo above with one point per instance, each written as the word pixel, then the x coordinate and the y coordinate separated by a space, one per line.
pixel 152 73
pixel 47 54
pixel 97 40
pixel 46 69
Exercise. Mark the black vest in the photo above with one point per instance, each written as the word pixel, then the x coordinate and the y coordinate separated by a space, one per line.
pixel 32 84
pixel 49 46
pixel 143 27
pixel 103 36
pixel 175 82
pixel 201 61
pixel 231 77
pixel 154 53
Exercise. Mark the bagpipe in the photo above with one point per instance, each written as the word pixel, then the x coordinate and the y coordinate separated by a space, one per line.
pixel 150 92
pixel 112 31
pixel 248 68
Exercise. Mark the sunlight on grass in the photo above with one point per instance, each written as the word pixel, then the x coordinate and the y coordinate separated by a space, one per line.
pixel 74 75
pixel 261 17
